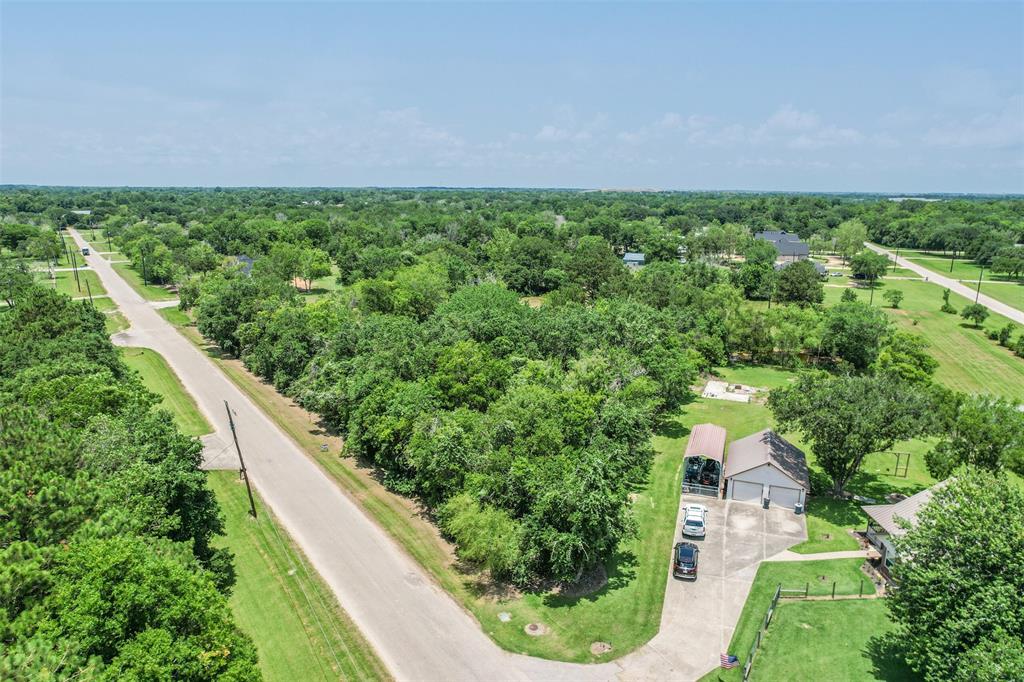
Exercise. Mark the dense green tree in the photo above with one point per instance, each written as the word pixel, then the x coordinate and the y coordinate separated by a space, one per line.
pixel 905 355
pixel 869 265
pixel 960 568
pixel 893 297
pixel 981 431
pixel 846 418
pixel 975 312
pixel 147 611
pixel 854 332
pixel 799 283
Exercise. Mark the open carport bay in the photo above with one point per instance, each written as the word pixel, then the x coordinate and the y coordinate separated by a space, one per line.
pixel 699 616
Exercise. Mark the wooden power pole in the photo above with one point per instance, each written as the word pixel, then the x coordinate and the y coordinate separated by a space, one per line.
pixel 241 462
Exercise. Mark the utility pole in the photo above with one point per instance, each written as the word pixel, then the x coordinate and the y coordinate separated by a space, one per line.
pixel 871 300
pixel 241 462
pixel 74 267
pixel 977 293
pixel 896 259
pixel 145 280
pixel 89 289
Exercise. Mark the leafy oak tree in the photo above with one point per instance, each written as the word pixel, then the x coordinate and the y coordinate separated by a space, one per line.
pixel 846 418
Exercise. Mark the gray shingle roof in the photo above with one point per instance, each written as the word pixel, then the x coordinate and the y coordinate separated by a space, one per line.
pixel 768 447
pixel 885 515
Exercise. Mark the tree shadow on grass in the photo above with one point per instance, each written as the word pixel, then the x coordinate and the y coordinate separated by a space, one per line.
pixel 621 570
pixel 887 659
pixel 671 428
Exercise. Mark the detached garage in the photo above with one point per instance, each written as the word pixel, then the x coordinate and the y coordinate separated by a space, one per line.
pixel 765 466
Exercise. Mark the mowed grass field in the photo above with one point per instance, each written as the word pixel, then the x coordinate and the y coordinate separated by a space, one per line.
pixel 849 631
pixel 998 286
pixel 968 360
pixel 280 601
pixel 150 292
pixel 64 281
pixel 818 575
pixel 158 377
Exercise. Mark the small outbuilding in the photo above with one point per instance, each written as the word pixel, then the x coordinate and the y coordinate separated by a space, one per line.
pixel 765 466
pixel 702 470
pixel 633 260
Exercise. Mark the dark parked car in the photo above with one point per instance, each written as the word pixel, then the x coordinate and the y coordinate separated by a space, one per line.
pixel 85 250
pixel 684 562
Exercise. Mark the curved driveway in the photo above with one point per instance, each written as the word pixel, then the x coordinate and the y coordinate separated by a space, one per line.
pixel 417 629
pixel 954 286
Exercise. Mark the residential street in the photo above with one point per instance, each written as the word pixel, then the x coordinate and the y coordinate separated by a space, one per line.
pixel 954 286
pixel 417 629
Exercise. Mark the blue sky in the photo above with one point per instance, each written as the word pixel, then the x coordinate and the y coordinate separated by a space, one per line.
pixel 764 96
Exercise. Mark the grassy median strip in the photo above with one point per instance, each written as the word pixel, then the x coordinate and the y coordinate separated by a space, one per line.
pixel 158 377
pixel 280 601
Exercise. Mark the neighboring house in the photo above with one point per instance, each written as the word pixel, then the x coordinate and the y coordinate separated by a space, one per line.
pixel 244 264
pixel 702 461
pixel 633 260
pixel 787 244
pixel 765 466
pixel 822 270
pixel 883 525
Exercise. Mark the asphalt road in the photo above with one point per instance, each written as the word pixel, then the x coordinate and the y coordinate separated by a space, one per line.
pixel 417 629
pixel 955 286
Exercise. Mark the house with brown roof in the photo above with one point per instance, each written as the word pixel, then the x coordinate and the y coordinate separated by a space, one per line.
pixel 885 521
pixel 765 466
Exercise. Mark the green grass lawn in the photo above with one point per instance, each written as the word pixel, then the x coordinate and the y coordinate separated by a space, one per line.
pixel 65 282
pixel 149 292
pixel 1011 292
pixel 279 600
pixel 116 322
pixel 968 360
pixel 818 575
pixel 829 520
pixel 850 631
pixel 158 377
pixel 178 318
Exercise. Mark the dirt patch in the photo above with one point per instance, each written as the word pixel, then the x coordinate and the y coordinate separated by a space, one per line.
pixel 599 648
pixel 590 582
pixel 536 629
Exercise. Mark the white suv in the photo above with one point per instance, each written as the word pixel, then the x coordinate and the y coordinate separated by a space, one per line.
pixel 695 520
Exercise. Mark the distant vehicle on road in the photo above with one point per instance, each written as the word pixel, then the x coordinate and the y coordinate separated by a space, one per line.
pixel 695 520
pixel 684 561
pixel 85 250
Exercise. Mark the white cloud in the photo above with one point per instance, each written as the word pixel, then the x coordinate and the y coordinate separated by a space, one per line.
pixel 1001 129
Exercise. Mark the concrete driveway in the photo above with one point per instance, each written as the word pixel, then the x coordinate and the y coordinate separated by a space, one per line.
pixel 699 616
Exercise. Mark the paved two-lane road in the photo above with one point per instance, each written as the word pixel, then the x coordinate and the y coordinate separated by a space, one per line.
pixel 954 286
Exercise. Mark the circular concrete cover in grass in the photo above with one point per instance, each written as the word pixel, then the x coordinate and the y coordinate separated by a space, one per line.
pixel 536 629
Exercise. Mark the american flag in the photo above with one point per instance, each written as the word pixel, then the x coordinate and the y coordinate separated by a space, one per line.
pixel 729 661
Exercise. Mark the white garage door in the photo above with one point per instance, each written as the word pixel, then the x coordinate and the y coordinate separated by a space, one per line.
pixel 784 497
pixel 745 491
